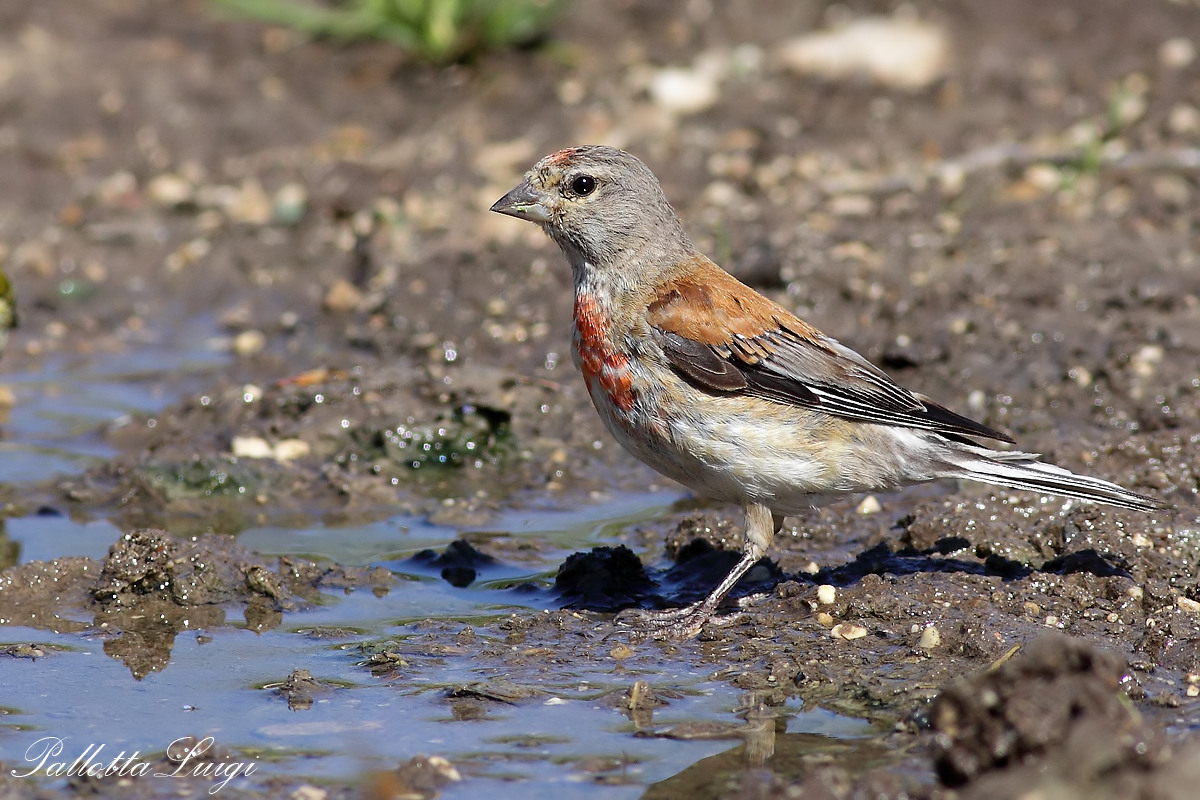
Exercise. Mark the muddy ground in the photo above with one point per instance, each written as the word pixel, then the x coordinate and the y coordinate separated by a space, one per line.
pixel 1018 239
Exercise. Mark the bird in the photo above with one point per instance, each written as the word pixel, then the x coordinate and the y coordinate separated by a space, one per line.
pixel 727 392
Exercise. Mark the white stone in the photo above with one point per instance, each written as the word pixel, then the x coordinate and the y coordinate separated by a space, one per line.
pixel 848 631
pixel 1187 604
pixel 685 90
pixel 251 447
pixel 870 505
pixel 908 54
pixel 170 190
pixel 290 449
pixel 1177 53
pixel 1146 360
pixel 931 637
pixel 248 343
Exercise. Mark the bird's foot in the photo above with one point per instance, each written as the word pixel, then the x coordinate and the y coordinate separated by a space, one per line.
pixel 675 623
pixel 752 600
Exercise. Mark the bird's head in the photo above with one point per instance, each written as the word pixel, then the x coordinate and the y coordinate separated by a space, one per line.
pixel 601 205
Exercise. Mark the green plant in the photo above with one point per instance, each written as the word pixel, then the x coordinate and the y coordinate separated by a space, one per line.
pixel 8 309
pixel 437 30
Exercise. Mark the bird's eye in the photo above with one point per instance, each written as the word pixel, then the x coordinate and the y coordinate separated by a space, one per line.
pixel 583 185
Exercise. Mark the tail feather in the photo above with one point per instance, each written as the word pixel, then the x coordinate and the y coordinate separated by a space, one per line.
pixel 1015 470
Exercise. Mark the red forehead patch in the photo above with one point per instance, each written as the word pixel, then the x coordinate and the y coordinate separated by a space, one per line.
pixel 561 157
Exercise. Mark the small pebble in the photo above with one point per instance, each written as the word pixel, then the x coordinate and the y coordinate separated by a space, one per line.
pixel 1173 190
pixel 289 205
pixel 1187 604
pixel 342 296
pixel 170 190
pixel 309 792
pixel 826 594
pixel 870 505
pixel 721 193
pixel 1177 53
pixel 848 631
pixel 1045 177
pixel 187 254
pixel 118 189
pixel 444 768
pixel 290 449
pixel 1146 360
pixel 621 652
pixel 571 92
pixel 1127 108
pixel 852 205
pixel 1193 691
pixel 685 91
pixel 930 638
pixel 895 52
pixel 248 343
pixel 250 205
pixel 251 447
pixel 1183 119
pixel 824 619
pixel 951 179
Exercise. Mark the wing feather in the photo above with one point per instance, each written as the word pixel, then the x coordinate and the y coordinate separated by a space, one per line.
pixel 725 337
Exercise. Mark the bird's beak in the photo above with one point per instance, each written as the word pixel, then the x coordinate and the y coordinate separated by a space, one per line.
pixel 524 202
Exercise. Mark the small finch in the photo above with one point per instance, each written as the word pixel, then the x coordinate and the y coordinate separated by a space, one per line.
pixel 729 393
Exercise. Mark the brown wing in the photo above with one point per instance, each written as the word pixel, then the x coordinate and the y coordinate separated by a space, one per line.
pixel 726 337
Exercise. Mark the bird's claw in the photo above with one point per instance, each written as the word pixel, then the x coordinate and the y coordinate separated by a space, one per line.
pixel 674 623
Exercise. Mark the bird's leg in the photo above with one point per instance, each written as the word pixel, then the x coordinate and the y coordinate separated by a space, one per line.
pixel 686 622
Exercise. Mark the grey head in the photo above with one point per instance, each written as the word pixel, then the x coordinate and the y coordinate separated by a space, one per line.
pixel 601 205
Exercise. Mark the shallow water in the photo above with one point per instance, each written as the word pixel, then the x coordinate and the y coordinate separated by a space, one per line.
pixel 54 428
pixel 564 530
pixel 220 681
pixel 215 689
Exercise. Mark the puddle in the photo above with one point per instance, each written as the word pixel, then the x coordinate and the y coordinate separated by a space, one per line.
pixel 558 531
pixel 220 681
pixel 50 536
pixel 64 401
pixel 565 736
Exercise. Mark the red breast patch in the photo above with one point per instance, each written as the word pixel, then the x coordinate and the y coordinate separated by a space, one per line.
pixel 600 362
